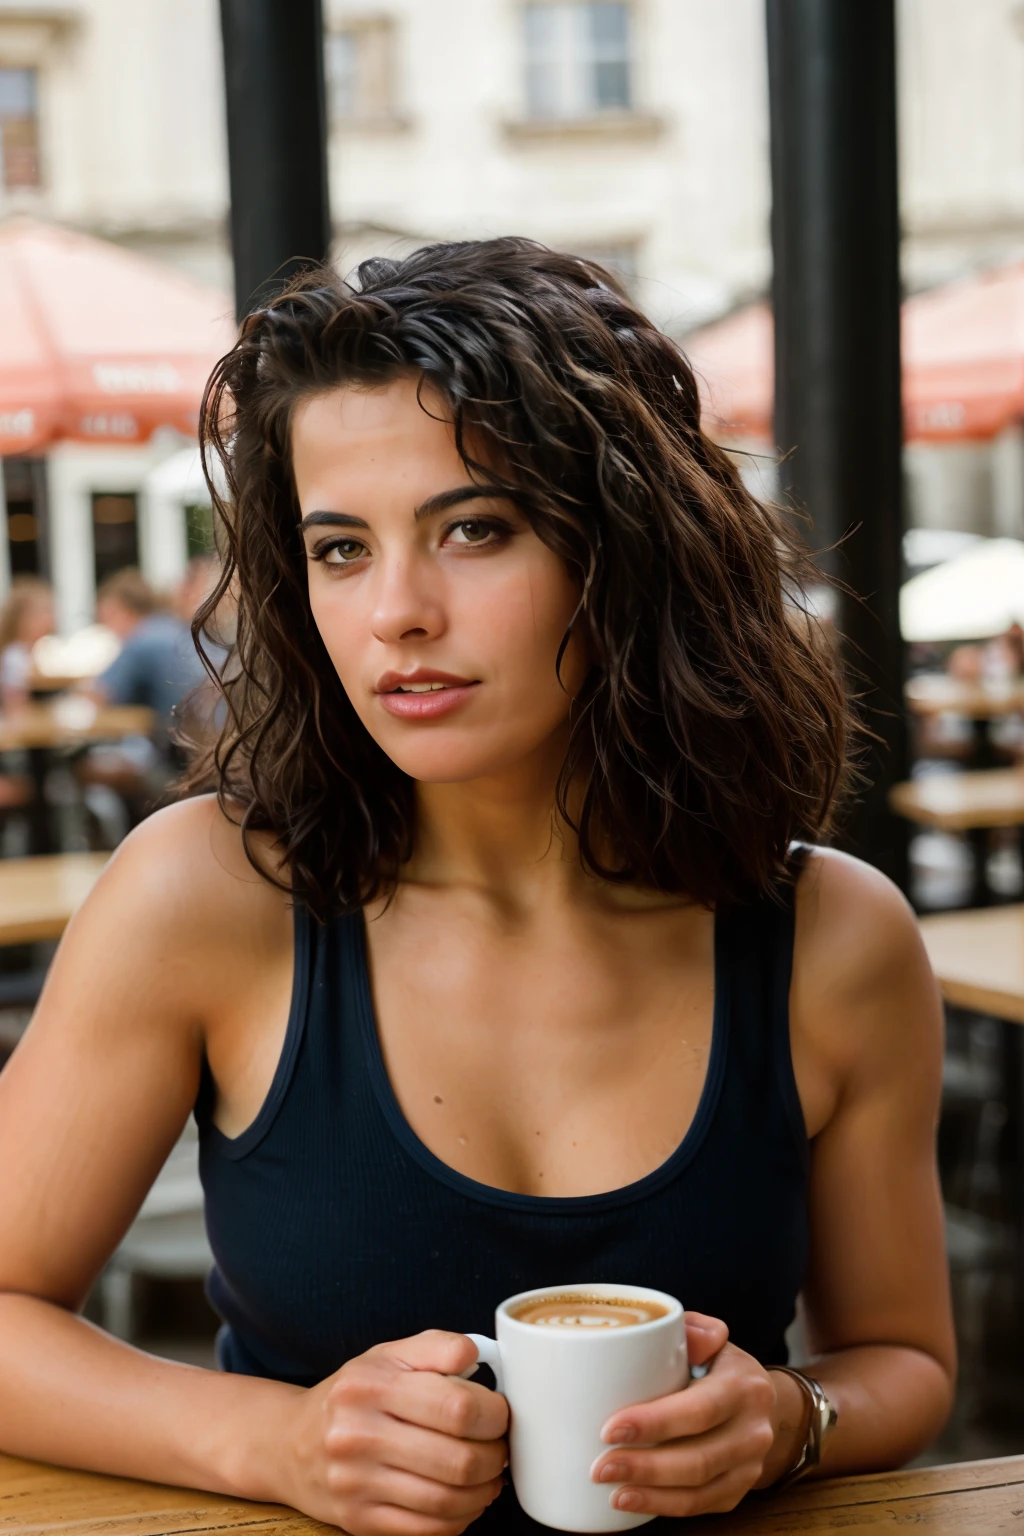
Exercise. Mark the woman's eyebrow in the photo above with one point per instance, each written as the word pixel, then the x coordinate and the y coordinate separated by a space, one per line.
pixel 445 500
pixel 331 519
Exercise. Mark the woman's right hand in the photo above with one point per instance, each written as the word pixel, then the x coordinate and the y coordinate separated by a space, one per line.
pixel 396 1444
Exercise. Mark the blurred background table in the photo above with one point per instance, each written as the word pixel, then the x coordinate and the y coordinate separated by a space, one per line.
pixel 38 896
pixel 40 729
pixel 49 726
pixel 980 702
pixel 978 959
pixel 972 1497
pixel 965 802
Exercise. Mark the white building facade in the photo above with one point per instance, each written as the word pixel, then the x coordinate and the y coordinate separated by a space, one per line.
pixel 632 130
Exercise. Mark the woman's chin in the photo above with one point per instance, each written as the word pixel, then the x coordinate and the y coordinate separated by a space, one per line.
pixel 454 762
pixel 449 769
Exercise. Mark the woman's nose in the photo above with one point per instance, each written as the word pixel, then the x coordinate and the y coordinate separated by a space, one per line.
pixel 406 608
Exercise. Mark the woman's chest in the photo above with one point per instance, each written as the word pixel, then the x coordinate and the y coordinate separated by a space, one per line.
pixel 555 1064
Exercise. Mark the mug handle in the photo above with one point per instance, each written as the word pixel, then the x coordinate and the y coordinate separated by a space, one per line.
pixel 488 1353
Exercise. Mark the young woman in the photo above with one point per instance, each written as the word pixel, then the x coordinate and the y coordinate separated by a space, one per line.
pixel 499 959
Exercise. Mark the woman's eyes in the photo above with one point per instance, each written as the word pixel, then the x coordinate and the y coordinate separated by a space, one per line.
pixel 340 551
pixel 467 533
pixel 475 530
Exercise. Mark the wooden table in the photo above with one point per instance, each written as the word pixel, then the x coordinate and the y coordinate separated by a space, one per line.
pixel 973 1497
pixel 978 959
pixel 41 729
pixel 44 726
pixel 39 896
pixel 959 802
pixel 981 702
pixel 936 694
pixel 965 802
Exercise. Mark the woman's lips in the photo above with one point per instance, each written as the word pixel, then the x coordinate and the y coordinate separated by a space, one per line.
pixel 426 706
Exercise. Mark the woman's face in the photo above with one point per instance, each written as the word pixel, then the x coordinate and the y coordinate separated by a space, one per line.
pixel 439 606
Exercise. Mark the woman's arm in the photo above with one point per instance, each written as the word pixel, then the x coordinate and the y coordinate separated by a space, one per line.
pixel 866 1031
pixel 179 938
pixel 868 1044
pixel 90 1104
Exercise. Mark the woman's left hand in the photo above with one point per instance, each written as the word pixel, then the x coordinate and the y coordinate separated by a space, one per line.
pixel 705 1447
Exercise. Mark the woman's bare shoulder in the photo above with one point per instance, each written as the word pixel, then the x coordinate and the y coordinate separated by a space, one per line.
pixel 186 869
pixel 862 983
pixel 851 917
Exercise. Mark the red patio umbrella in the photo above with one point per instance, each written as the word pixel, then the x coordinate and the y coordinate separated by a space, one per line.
pixel 963 357
pixel 96 343
pixel 963 363
pixel 734 362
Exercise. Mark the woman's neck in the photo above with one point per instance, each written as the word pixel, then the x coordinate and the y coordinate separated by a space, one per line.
pixel 502 834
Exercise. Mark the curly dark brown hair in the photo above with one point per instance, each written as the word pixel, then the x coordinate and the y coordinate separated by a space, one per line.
pixel 711 732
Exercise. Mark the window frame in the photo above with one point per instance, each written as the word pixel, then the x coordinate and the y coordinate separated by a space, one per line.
pixel 19 188
pixel 376 31
pixel 577 62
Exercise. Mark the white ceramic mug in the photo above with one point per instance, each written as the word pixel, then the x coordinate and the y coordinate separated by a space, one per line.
pixel 562 1384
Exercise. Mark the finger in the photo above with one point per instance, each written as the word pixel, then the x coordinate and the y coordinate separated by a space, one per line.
pixel 689 1463
pixel 716 1497
pixel 701 1406
pixel 705 1336
pixel 462 1463
pixel 462 1409
pixel 433 1350
pixel 425 1496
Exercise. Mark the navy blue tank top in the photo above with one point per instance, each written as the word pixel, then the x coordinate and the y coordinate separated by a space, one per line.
pixel 334 1228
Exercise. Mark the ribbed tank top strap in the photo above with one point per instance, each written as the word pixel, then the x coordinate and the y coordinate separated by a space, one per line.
pixel 757 942
pixel 307 966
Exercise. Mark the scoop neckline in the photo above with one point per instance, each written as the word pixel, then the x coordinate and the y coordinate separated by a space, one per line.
pixel 554 1205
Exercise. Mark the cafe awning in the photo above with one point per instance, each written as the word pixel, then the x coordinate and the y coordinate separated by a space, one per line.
pixel 963 349
pixel 735 368
pixel 97 343
pixel 963 363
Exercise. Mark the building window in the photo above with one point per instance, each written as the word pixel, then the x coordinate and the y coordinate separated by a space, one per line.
pixel 577 58
pixel 359 65
pixel 115 531
pixel 24 486
pixel 19 128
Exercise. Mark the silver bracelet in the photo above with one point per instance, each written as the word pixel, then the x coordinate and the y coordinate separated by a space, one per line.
pixel 824 1415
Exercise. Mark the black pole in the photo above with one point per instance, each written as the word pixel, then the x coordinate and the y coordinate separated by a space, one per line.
pixel 277 141
pixel 835 238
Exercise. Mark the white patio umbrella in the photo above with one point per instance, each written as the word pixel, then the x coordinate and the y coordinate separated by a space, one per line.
pixel 975 596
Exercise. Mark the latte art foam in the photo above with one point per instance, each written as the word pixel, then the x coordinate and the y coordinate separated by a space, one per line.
pixel 588 1313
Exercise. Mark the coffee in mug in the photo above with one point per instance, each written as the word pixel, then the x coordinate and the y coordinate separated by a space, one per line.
pixel 570 1311
pixel 567 1357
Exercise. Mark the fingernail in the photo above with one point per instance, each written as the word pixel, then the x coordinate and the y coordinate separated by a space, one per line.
pixel 626 1499
pixel 618 1434
pixel 612 1472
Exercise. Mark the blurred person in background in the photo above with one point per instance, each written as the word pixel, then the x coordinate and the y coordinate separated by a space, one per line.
pixel 157 666
pixel 27 616
pixel 504 951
